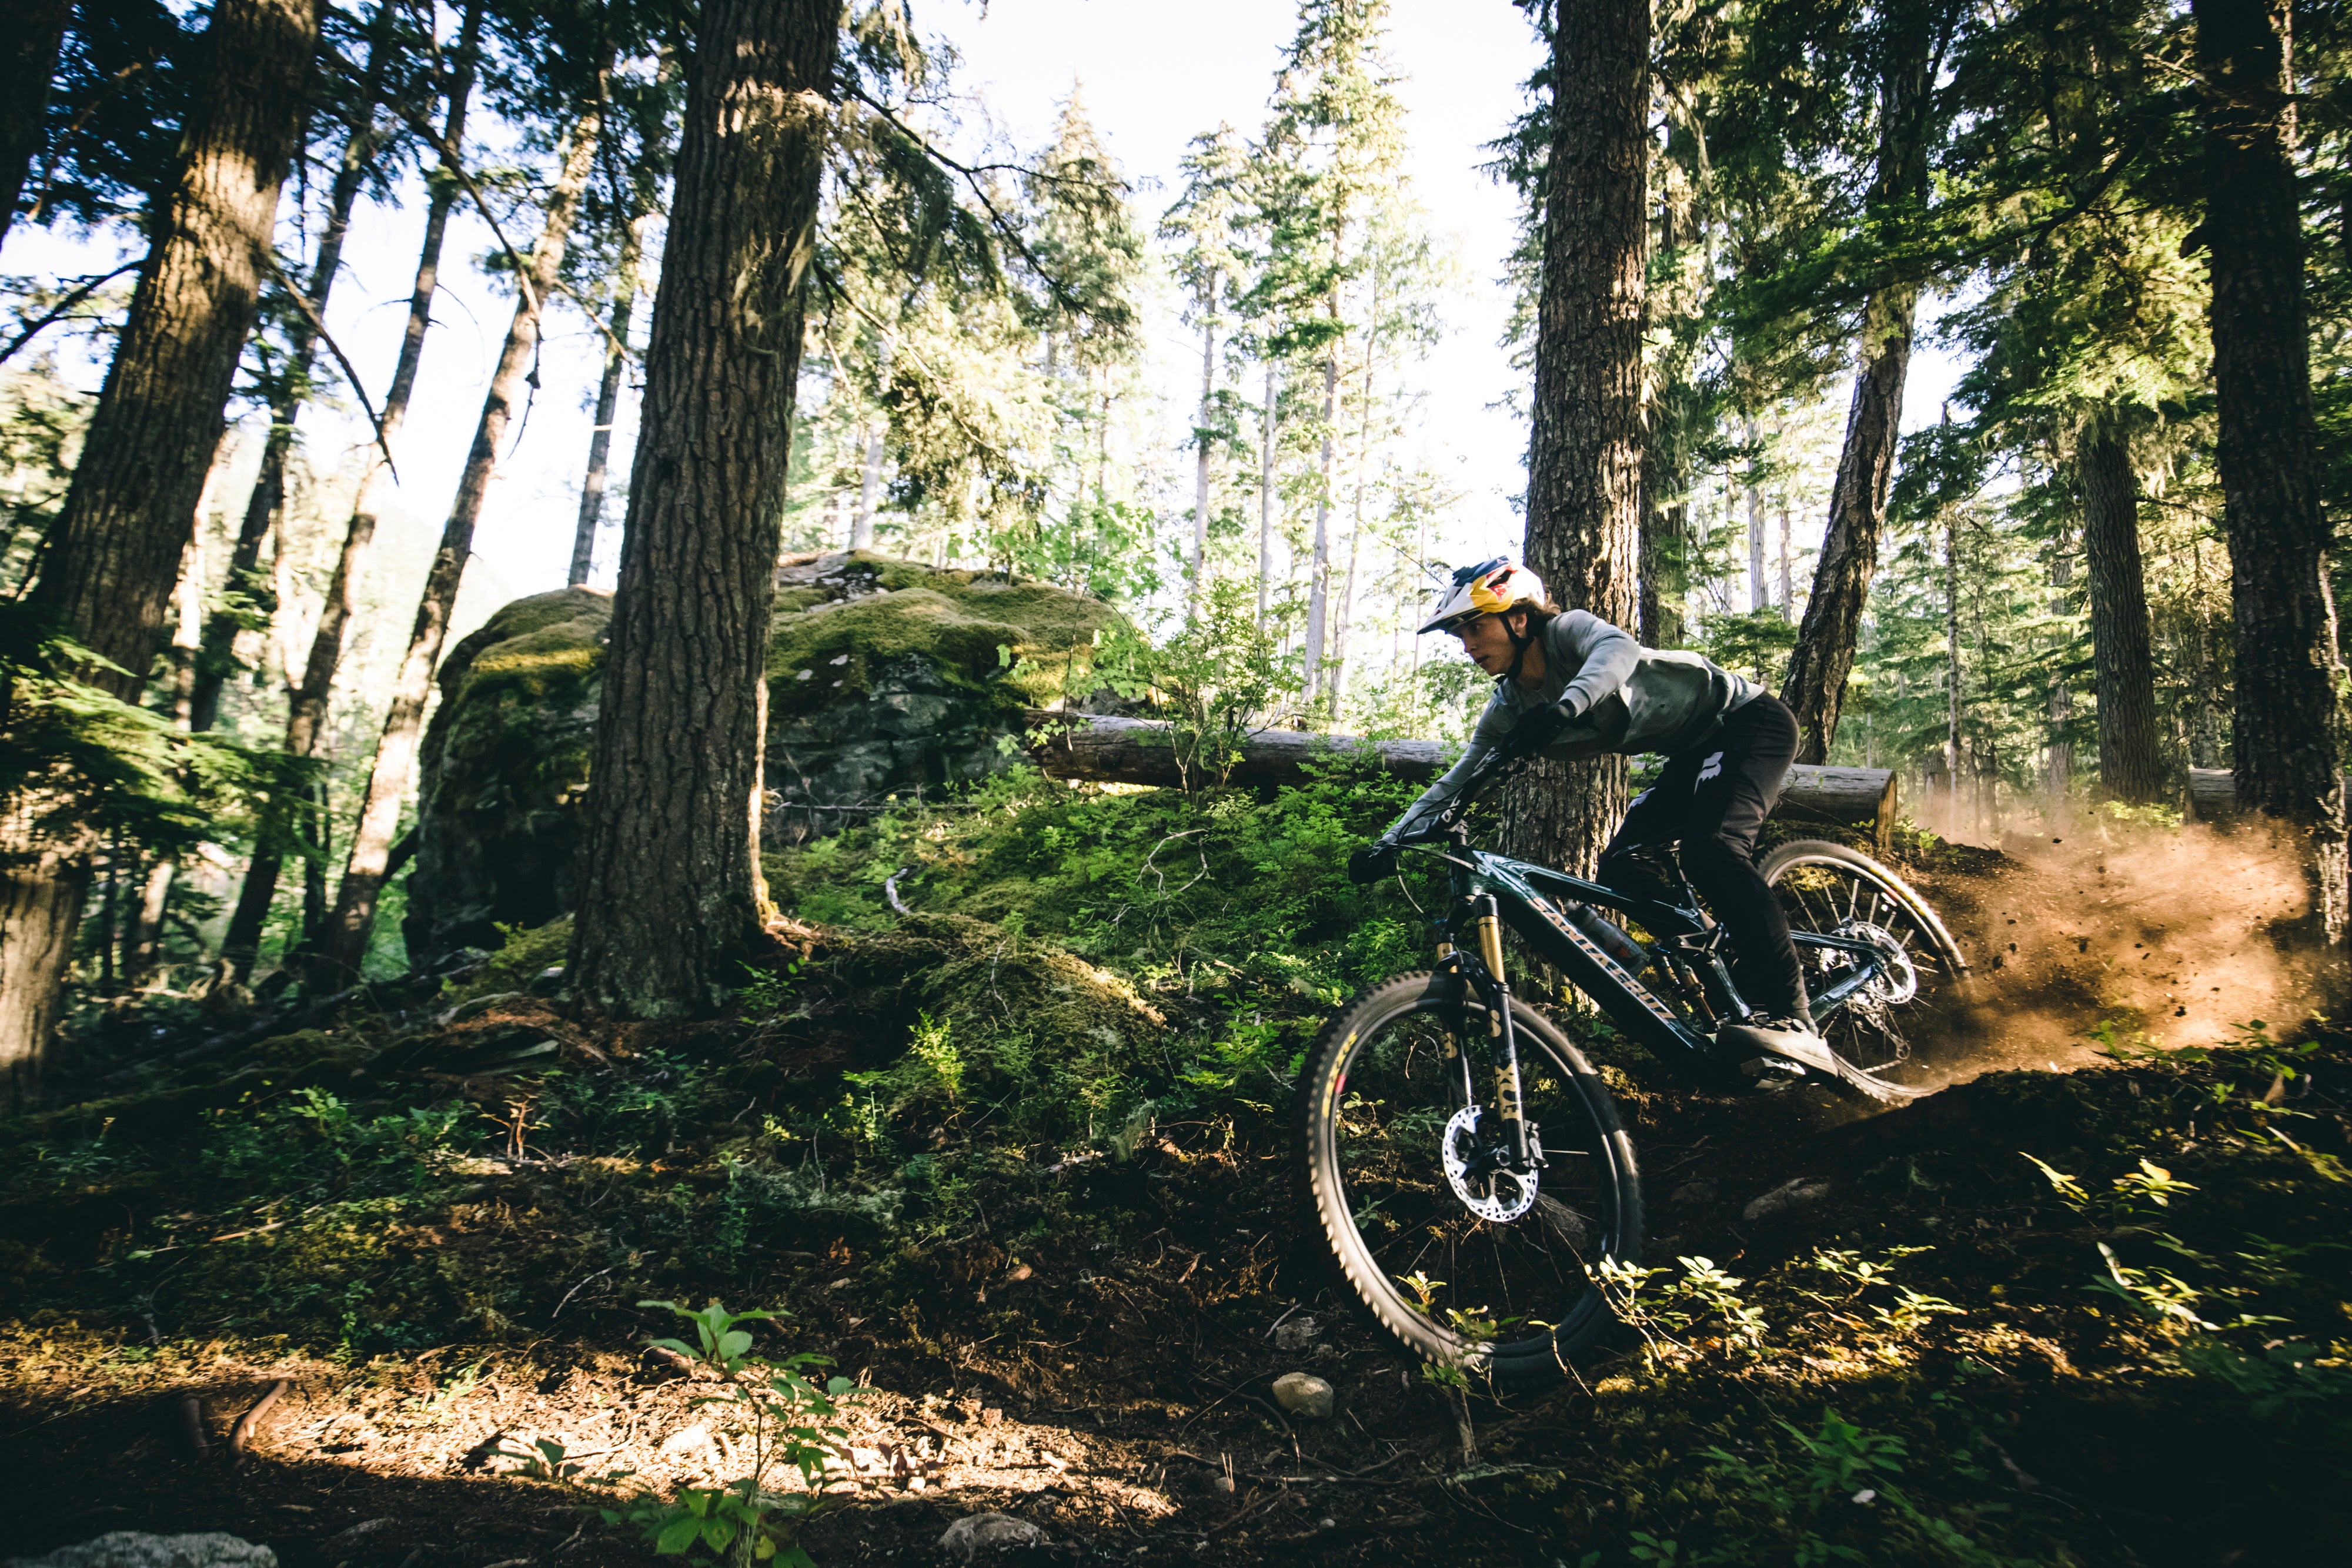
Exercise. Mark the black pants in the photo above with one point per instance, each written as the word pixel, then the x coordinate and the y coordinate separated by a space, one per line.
pixel 1714 799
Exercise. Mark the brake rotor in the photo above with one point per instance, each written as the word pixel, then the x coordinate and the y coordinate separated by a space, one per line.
pixel 1509 1195
pixel 1898 980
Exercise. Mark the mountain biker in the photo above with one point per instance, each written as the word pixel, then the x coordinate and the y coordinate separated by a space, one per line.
pixel 1570 685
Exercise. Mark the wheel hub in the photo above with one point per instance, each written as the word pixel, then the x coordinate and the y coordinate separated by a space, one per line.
pixel 1898 980
pixel 1478 1174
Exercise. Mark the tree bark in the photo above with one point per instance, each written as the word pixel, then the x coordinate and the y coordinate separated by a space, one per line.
pixel 1267 433
pixel 2286 731
pixel 1318 569
pixel 2124 666
pixel 345 941
pixel 307 712
pixel 266 504
pixel 144 949
pixel 608 399
pixel 1826 639
pixel 672 898
pixel 861 527
pixel 114 554
pixel 1585 456
pixel 27 68
pixel 1193 573
pixel 1759 596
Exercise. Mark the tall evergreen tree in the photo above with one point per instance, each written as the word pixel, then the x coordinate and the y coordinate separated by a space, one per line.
pixel 1910 42
pixel 1332 142
pixel 28 65
pixel 114 553
pixel 344 943
pixel 1585 449
pixel 1203 220
pixel 673 900
pixel 307 704
pixel 2287 735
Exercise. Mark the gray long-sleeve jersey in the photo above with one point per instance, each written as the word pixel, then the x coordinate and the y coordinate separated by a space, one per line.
pixel 1628 699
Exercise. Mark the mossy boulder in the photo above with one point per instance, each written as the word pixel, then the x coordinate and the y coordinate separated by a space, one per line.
pixel 503 769
pixel 885 677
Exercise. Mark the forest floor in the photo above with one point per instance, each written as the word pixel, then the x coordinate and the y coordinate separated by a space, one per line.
pixel 1921 1346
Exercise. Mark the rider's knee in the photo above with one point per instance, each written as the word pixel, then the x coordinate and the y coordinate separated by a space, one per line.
pixel 1716 852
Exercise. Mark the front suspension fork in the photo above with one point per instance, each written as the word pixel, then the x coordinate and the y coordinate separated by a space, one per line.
pixel 1486 930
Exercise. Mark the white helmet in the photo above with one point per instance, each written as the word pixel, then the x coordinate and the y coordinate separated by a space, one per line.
pixel 1487 588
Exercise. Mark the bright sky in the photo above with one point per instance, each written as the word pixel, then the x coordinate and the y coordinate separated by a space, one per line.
pixel 1153 76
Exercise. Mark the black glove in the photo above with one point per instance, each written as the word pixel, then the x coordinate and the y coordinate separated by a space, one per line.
pixel 1371 863
pixel 1538 727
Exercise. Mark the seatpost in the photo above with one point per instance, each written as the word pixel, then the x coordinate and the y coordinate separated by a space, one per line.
pixel 1487 923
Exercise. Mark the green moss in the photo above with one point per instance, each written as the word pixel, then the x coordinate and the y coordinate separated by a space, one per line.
pixel 975 626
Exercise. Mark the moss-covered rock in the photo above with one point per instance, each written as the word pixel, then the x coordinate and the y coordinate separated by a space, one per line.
pixel 884 676
pixel 503 767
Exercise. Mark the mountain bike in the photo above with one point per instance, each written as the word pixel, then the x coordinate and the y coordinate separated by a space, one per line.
pixel 1467 1162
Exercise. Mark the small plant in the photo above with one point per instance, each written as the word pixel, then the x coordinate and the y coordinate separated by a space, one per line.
pixel 1704 1293
pixel 791 1422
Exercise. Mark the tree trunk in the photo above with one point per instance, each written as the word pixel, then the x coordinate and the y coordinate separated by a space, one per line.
pixel 1584 464
pixel 307 712
pixel 1268 431
pixel 1194 568
pixel 2285 740
pixel 144 948
pixel 1788 588
pixel 266 503
pixel 2060 774
pixel 2124 667
pixel 1952 689
pixel 345 941
pixel 1759 596
pixel 27 66
pixel 114 554
pixel 608 399
pixel 673 899
pixel 1318 569
pixel 861 528
pixel 1826 639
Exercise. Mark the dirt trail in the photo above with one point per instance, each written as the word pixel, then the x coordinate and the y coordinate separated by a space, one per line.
pixel 2173 938
pixel 1104 1384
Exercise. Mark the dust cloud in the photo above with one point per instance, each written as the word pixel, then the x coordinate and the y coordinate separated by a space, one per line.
pixel 2172 936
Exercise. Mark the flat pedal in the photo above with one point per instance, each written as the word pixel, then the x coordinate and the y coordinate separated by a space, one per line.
pixel 1773 1072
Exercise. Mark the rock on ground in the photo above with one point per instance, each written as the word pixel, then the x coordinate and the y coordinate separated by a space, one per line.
pixel 1802 1193
pixel 979 1536
pixel 1303 1393
pixel 135 1548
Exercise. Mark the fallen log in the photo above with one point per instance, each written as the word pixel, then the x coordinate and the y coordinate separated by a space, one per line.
pixel 2214 793
pixel 1101 750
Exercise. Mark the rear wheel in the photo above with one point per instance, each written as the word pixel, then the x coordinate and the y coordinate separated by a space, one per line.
pixel 1491 1272
pixel 1894 1035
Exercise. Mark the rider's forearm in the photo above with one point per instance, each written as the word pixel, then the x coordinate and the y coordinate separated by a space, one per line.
pixel 1442 791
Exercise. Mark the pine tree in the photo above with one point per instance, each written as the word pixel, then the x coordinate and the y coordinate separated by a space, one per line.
pixel 1332 140
pixel 113 554
pixel 1203 220
pixel 306 720
pixel 2286 734
pixel 1585 452
pixel 344 943
pixel 29 64
pixel 1912 39
pixel 672 899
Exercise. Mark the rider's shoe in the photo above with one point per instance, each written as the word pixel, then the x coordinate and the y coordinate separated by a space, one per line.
pixel 1787 1040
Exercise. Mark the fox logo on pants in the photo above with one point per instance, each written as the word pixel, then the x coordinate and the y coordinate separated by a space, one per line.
pixel 1711 768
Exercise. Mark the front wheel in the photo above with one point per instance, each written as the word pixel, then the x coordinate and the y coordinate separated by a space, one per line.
pixel 1896 1035
pixel 1497 1274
